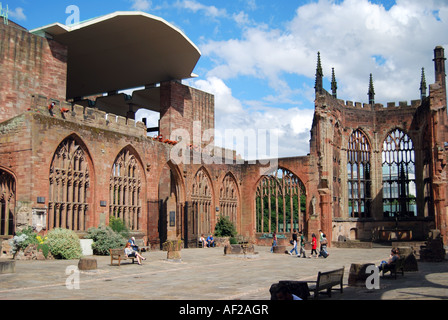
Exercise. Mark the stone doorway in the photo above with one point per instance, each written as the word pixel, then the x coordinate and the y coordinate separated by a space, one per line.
pixel 7 203
pixel 171 205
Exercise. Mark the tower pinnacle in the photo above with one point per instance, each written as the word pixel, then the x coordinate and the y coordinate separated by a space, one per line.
pixel 319 75
pixel 423 86
pixel 371 92
pixel 334 84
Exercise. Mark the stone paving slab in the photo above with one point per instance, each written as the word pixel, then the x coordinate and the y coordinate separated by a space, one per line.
pixel 208 274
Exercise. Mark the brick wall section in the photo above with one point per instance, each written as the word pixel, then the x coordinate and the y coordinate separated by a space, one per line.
pixel 29 64
pixel 186 108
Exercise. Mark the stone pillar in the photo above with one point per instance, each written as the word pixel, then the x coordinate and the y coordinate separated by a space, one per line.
pixel 173 244
pixel 326 214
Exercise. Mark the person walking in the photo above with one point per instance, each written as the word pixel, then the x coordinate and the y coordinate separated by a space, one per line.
pixel 302 245
pixel 294 242
pixel 323 244
pixel 321 238
pixel 313 245
pixel 274 241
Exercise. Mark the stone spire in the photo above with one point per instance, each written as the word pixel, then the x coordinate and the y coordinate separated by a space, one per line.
pixel 319 76
pixel 371 92
pixel 334 84
pixel 423 86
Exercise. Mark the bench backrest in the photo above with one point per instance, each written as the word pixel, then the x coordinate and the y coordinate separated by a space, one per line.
pixel 399 262
pixel 330 277
pixel 116 251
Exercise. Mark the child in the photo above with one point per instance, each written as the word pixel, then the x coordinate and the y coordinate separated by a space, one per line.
pixel 314 245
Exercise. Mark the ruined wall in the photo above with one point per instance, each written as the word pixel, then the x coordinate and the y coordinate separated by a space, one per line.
pixel 29 64
pixel 185 109
pixel 335 121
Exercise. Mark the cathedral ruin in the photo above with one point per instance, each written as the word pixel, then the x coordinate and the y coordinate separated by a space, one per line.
pixel 73 154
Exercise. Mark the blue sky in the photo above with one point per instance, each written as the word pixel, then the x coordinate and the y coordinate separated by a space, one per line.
pixel 259 56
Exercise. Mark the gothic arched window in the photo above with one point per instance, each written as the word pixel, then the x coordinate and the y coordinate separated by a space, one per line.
pixel 399 188
pixel 7 203
pixel 202 203
pixel 228 199
pixel 278 202
pixel 69 187
pixel 358 174
pixel 125 188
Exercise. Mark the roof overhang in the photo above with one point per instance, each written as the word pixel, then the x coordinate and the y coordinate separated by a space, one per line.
pixel 122 50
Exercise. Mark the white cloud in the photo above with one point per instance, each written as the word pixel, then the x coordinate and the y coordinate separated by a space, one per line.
pixel 355 37
pixel 348 34
pixel 210 11
pixel 224 101
pixel 293 125
pixel 17 14
pixel 141 5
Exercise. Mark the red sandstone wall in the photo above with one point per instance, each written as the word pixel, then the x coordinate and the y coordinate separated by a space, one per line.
pixel 29 65
pixel 182 107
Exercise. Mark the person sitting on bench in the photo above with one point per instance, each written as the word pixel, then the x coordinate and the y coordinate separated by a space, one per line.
pixel 202 241
pixel 132 253
pixel 132 243
pixel 394 256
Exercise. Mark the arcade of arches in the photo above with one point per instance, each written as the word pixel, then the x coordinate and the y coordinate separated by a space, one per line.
pixel 281 201
pixel 372 170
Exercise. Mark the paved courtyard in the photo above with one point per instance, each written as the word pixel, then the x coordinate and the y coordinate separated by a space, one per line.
pixel 208 274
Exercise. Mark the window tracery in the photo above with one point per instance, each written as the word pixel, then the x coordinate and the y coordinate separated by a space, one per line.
pixel 202 203
pixel 398 170
pixel 125 187
pixel 7 203
pixel 228 199
pixel 69 187
pixel 279 202
pixel 358 173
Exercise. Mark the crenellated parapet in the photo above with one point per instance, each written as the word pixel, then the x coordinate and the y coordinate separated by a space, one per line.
pixel 86 116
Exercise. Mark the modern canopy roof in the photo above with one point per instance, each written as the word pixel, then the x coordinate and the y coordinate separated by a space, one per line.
pixel 122 50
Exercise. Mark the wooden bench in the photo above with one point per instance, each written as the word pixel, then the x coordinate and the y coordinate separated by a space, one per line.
pixel 118 254
pixel 328 280
pixel 394 267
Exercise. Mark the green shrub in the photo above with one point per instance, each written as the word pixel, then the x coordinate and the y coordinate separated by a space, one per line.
pixel 225 228
pixel 31 237
pixel 118 225
pixel 24 238
pixel 64 244
pixel 104 239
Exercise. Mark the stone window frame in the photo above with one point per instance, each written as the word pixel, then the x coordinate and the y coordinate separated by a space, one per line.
pixel 202 202
pixel 69 189
pixel 289 188
pixel 359 183
pixel 7 203
pixel 125 189
pixel 229 199
pixel 399 187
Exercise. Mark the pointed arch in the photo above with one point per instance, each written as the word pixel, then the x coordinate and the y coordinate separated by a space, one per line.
pixel 398 171
pixel 126 188
pixel 280 202
pixel 202 202
pixel 7 202
pixel 70 196
pixel 358 174
pixel 229 198
pixel 171 186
